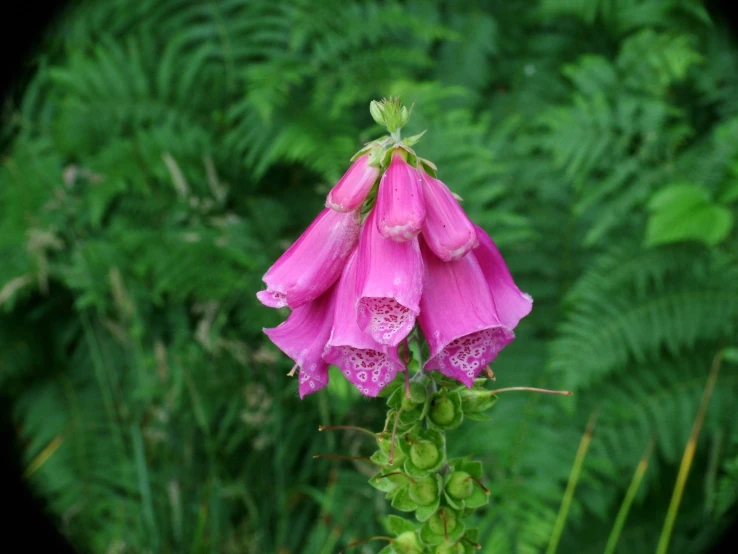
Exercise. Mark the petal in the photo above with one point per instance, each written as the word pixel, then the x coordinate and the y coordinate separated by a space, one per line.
pixel 351 190
pixel 313 263
pixel 303 337
pixel 368 365
pixel 458 318
pixel 512 304
pixel 447 230
pixel 389 284
pixel 400 207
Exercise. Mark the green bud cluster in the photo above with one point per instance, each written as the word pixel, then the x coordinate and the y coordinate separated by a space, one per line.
pixel 415 473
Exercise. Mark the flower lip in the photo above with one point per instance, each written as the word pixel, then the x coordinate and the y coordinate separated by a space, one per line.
pixel 389 285
pixel 512 304
pixel 458 317
pixel 303 337
pixel 368 365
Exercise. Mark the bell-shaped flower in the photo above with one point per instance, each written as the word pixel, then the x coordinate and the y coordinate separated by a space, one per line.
pixel 400 207
pixel 512 304
pixel 351 190
pixel 368 365
pixel 389 284
pixel 314 261
pixel 458 317
pixel 303 337
pixel 447 230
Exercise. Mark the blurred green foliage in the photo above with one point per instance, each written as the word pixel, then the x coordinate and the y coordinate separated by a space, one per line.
pixel 164 153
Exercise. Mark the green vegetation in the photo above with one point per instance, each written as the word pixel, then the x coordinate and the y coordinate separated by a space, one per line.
pixel 164 153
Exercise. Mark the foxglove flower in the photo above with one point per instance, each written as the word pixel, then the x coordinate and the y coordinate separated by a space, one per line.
pixel 389 284
pixel 313 263
pixel 367 364
pixel 400 207
pixel 447 230
pixel 458 317
pixel 512 304
pixel 351 190
pixel 303 337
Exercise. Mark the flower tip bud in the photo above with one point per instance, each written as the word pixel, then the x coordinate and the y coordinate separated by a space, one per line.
pixel 375 108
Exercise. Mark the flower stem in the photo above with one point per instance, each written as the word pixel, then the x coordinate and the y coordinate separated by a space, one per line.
pixel 532 389
pixel 345 427
pixel 362 541
pixel 338 457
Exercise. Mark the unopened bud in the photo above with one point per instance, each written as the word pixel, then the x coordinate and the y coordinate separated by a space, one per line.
pixel 375 108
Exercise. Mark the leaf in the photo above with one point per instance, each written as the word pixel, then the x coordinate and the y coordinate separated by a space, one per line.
pixel 685 212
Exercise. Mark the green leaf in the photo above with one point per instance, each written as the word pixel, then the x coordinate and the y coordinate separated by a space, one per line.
pixel 685 212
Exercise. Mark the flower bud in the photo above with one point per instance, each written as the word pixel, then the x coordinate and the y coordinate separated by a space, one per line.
pixel 351 190
pixel 313 263
pixel 375 108
pixel 443 521
pixel 459 485
pixel 447 229
pixel 400 206
pixel 424 454
pixel 424 491
pixel 442 410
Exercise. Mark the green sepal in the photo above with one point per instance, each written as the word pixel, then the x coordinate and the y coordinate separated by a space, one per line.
pixel 395 399
pixel 388 484
pixel 428 166
pixel 397 525
pixel 458 505
pixel 478 498
pixel 402 501
pixel 387 550
pixel 424 512
pixel 473 536
pixel 410 417
pixel 391 387
pixel 472 467
pixel 413 140
pixel 477 416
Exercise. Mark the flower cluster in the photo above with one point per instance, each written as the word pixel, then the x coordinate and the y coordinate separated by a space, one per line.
pixel 392 247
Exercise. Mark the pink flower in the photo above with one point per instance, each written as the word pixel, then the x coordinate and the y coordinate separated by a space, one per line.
pixel 447 230
pixel 512 305
pixel 313 262
pixel 458 318
pixel 369 365
pixel 389 284
pixel 400 207
pixel 303 337
pixel 351 190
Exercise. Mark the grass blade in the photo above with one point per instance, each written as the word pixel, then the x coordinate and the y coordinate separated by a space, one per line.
pixel 635 484
pixel 688 456
pixel 571 485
